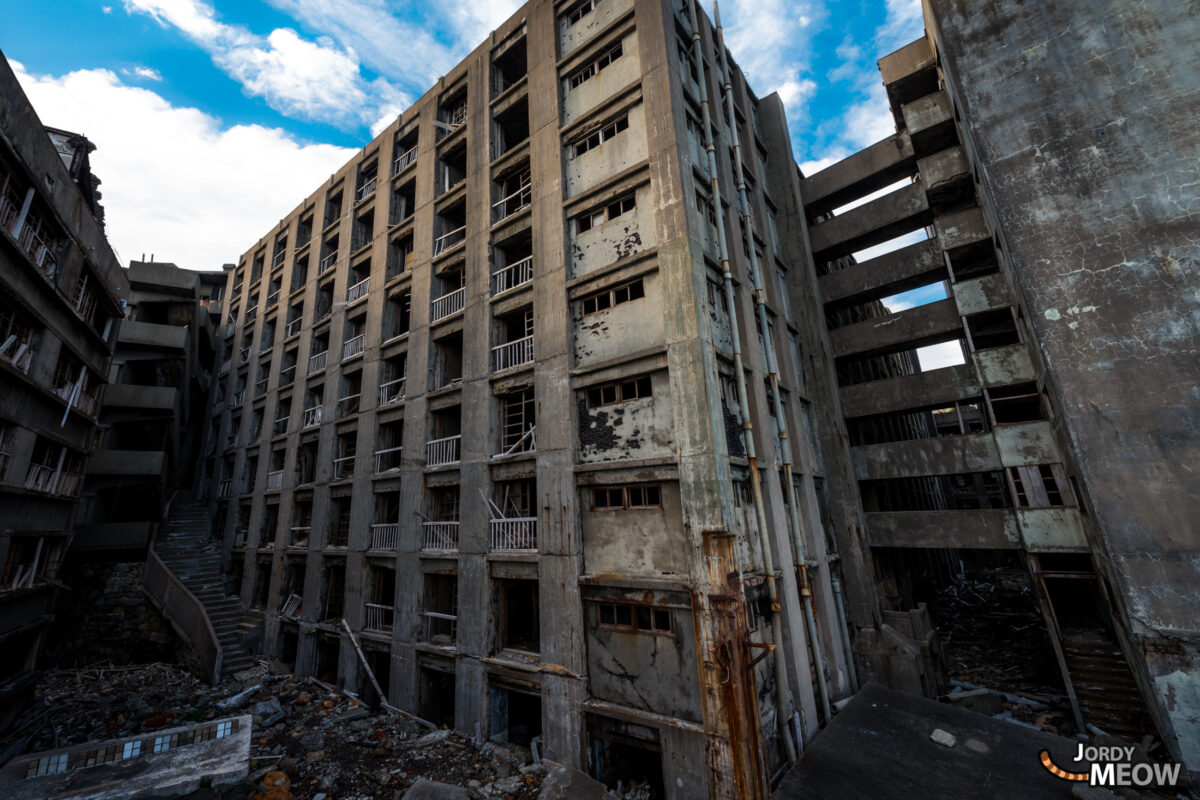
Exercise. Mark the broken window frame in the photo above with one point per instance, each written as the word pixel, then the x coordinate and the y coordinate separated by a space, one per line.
pixel 630 496
pixel 607 394
pixel 639 618
pixel 607 298
pixel 589 70
pixel 596 217
pixel 1040 486
pixel 577 11
pixel 598 135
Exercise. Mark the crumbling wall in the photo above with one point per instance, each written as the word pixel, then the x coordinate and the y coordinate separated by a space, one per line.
pixel 636 429
pixel 621 329
pixel 647 541
pixel 616 239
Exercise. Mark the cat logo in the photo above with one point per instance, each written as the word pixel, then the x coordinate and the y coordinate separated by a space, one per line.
pixel 1112 766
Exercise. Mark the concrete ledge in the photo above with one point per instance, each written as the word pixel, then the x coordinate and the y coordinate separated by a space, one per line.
pixel 910 391
pixel 127 462
pixel 989 529
pixel 150 334
pixel 913 327
pixel 869 170
pixel 884 218
pixel 974 452
pixel 885 275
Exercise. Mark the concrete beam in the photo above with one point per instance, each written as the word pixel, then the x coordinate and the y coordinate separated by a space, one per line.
pixel 872 223
pixel 975 529
pixel 961 228
pixel 908 60
pixel 150 398
pixel 897 271
pixel 904 330
pixel 910 391
pixel 973 452
pixel 151 334
pixel 930 123
pixel 869 170
pixel 127 462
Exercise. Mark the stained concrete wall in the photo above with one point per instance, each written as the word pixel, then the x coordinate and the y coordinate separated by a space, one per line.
pixel 1082 120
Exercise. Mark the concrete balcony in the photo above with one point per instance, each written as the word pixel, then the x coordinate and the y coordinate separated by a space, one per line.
pixel 448 240
pixel 358 291
pixel 514 535
pixel 403 160
pixel 275 480
pixel 365 191
pixel 293 328
pixel 311 417
pixel 440 536
pixel 353 347
pixel 944 455
pixel 387 459
pixel 142 398
pixel 868 170
pixel 317 362
pixel 991 529
pixel 145 463
pixel 43 478
pixel 915 327
pixel 348 405
pixel 343 468
pixel 327 263
pixel 152 335
pixel 896 213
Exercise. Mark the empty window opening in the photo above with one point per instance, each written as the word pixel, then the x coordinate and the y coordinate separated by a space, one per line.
pixel 969 490
pixel 452 113
pixel 626 755
pixel 510 128
pixel 437 695
pixel 615 498
pixel 1040 486
pixel 449 228
pixel 440 610
pixel 339 523
pixel 452 168
pixel 304 230
pixel 364 230
pixel 404 203
pixel 289 644
pixel 578 11
pixel 446 365
pixel 380 662
pixel 601 301
pixel 634 617
pixel 599 216
pixel 973 260
pixel 512 262
pixel 333 590
pixel 400 257
pixel 517 422
pixel 333 208
pixel 516 716
pixel 397 317
pixel 1018 402
pixel 593 67
pixel 513 191
pixel 509 67
pixel 517 615
pixel 993 329
pixel 598 135
pixel 368 175
pixel 404 151
pixel 953 419
pixel 262 584
pixel 619 391
pixel 328 652
pixel 306 463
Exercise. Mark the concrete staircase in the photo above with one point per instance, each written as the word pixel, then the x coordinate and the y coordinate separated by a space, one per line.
pixel 186 547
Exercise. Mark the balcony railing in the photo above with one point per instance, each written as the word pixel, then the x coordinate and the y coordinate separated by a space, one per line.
pixel 512 354
pixel 352 347
pixel 239 537
pixel 379 618
pixel 385 536
pixel 287 375
pixel 366 190
pixel 225 487
pixel 277 259
pixel 439 536
pixel 230 327
pixel 42 254
pixel 275 480
pixel 391 392
pixel 43 478
pixel 403 160
pixel 442 451
pixel 244 355
pixel 358 291
pixel 293 328
pixel 279 426
pixel 291 607
pixel 387 459
pixel 512 203
pixel 311 417
pixel 225 365
pixel 343 468
pixel 448 240
pixel 516 274
pixel 512 444
pixel 327 263
pixel 514 535
pixel 260 388
pixel 251 313
pixel 317 362
pixel 448 304
pixel 299 536
pixel 347 405
pixel 239 397
pixel 272 299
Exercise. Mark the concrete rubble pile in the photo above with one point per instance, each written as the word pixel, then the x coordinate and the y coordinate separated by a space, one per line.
pixel 308 740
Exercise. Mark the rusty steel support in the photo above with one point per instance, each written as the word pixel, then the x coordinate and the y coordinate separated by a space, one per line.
pixel 772 369
pixel 746 677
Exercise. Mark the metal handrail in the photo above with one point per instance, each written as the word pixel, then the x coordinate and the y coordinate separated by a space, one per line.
pixel 442 451
pixel 512 354
pixel 513 275
pixel 443 243
pixel 440 535
pixel 447 304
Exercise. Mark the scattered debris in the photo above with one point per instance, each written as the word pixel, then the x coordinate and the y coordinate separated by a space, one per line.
pixel 944 738
pixel 308 739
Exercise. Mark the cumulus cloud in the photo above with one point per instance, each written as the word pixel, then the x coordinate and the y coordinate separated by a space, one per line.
pixel 145 73
pixel 302 78
pixel 177 183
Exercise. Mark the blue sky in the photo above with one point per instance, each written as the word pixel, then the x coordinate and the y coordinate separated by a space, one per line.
pixel 238 110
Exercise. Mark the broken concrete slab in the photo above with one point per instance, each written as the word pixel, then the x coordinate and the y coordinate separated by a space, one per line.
pixel 432 790
pixel 567 783
pixel 880 747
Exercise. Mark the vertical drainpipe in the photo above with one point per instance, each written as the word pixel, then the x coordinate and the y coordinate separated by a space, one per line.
pixel 785 447
pixel 782 713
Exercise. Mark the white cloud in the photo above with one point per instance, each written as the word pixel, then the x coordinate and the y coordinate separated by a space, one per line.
pixel 177 183
pixel 314 80
pixel 145 73
pixel 106 9
pixel 905 23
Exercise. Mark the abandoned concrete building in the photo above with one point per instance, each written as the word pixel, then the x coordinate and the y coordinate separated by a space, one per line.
pixel 589 423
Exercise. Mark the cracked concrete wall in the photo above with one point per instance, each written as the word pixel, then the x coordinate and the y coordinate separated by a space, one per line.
pixel 611 157
pixel 623 328
pixel 634 429
pixel 600 88
pixel 1083 120
pixel 636 541
pixel 630 233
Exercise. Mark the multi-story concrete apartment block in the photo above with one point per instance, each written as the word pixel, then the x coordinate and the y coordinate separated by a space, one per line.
pixel 517 398
pixel 1057 217
pixel 61 291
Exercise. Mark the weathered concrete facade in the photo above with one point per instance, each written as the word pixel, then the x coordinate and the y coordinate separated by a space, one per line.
pixel 1059 217
pixel 61 295
pixel 503 395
